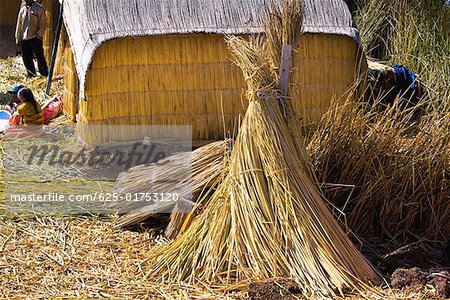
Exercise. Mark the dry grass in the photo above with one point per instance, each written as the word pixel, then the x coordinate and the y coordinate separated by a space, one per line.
pixel 388 170
pixel 398 165
pixel 12 73
pixel 398 168
pixel 80 258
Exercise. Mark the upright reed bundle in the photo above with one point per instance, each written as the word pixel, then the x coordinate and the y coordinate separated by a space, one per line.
pixel 267 218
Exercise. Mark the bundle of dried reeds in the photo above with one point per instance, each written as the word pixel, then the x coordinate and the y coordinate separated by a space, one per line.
pixel 199 171
pixel 398 165
pixel 267 218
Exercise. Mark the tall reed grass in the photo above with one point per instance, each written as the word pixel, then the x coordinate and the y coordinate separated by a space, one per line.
pixel 414 33
pixel 392 167
pixel 395 170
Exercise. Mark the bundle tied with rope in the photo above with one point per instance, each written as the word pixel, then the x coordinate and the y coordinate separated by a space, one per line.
pixel 267 218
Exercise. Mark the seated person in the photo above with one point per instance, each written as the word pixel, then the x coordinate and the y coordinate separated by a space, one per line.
pixel 29 109
pixel 12 105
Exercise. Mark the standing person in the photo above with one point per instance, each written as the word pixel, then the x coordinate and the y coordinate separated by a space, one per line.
pixel 30 29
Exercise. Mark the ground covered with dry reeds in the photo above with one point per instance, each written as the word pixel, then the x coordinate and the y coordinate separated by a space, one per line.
pixel 386 173
pixel 88 257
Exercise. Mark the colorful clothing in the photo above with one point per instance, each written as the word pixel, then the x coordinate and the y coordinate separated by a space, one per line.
pixel 28 114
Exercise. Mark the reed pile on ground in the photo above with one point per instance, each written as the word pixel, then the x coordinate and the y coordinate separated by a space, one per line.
pixel 186 174
pixel 52 258
pixel 399 169
pixel 267 218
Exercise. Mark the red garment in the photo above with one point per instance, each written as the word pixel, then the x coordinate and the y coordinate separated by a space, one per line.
pixel 15 119
pixel 53 110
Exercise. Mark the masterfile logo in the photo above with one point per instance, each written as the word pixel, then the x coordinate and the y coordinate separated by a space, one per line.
pixel 53 170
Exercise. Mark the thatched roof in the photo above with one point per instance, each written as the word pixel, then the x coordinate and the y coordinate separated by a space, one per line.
pixel 90 23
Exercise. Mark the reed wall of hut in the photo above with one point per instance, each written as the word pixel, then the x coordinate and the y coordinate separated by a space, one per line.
pixel 166 74
pixel 198 84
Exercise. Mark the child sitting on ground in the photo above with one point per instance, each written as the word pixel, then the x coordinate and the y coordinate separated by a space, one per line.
pixel 29 109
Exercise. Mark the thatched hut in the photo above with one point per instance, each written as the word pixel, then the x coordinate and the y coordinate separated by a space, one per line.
pixel 8 17
pixel 166 62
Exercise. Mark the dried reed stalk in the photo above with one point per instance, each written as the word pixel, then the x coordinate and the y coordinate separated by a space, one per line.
pixel 399 167
pixel 206 165
pixel 267 218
